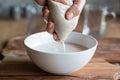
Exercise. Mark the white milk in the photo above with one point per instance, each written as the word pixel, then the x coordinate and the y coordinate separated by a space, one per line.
pixel 63 44
pixel 58 47
pixel 63 27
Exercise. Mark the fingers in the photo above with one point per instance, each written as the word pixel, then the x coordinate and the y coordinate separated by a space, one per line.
pixel 72 12
pixel 41 2
pixel 55 36
pixel 75 9
pixel 62 1
pixel 46 12
pixel 50 29
pixel 50 25
pixel 45 9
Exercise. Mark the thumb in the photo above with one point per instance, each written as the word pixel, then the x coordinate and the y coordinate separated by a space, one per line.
pixel 75 9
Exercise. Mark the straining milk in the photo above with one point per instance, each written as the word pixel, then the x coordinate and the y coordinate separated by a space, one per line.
pixel 63 27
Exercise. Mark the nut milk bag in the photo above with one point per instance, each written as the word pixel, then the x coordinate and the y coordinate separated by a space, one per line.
pixel 63 27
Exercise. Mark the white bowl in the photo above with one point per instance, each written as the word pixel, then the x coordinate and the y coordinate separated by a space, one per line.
pixel 64 63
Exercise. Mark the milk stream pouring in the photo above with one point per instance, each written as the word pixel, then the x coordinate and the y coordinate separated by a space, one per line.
pixel 63 27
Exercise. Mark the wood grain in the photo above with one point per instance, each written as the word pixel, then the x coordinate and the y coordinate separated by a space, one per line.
pixel 96 69
pixel 109 49
pixel 99 68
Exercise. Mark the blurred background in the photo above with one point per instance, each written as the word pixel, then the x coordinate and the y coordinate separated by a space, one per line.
pixel 100 18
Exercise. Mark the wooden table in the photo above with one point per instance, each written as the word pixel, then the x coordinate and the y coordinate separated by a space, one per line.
pixel 99 68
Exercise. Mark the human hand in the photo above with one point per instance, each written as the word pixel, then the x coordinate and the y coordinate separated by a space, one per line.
pixel 72 12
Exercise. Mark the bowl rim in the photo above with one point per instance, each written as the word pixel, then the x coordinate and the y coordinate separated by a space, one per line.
pixel 51 52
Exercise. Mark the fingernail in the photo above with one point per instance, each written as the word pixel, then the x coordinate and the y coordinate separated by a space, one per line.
pixel 55 37
pixel 70 15
pixel 48 28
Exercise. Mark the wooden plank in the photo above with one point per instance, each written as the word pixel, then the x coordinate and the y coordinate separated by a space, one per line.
pixel 95 70
pixel 109 49
pixel 14 68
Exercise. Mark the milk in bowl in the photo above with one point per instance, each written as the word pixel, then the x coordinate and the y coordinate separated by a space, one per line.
pixel 57 57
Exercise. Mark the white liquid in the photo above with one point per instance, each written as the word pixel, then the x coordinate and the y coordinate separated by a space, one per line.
pixel 63 44
pixel 60 47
